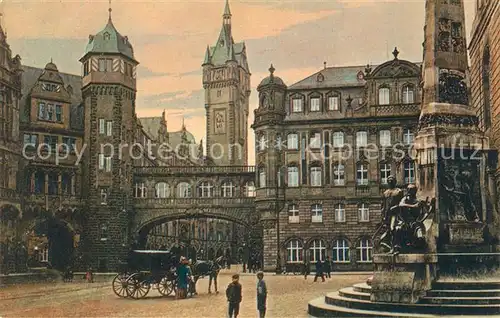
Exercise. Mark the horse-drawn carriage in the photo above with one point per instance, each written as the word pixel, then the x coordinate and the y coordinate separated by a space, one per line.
pixel 143 270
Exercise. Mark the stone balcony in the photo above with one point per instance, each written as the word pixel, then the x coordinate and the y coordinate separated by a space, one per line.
pixel 395 110
pixel 194 170
pixel 52 202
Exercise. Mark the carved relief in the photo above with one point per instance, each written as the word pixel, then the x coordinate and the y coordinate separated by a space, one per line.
pixel 220 122
pixel 452 87
pixel 444 35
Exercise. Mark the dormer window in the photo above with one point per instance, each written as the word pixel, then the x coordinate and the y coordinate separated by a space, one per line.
pixel 106 36
pixel 221 42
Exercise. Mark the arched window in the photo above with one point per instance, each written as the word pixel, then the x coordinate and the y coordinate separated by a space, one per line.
pixel 384 96
pixel 338 139
pixel 317 250
pixel 293 176
pixel 316 213
pixel 486 88
pixel 363 212
pixel 184 190
pixel 162 190
pixel 408 94
pixel 250 189
pixel 409 167
pixel 339 174
pixel 227 189
pixel 365 250
pixel 205 190
pixel 362 174
pixel 339 213
pixel 316 176
pixel 293 213
pixel 341 252
pixel 294 251
pixel 140 190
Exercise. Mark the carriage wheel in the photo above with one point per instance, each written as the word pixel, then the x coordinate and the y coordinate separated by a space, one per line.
pixel 166 287
pixel 120 285
pixel 137 287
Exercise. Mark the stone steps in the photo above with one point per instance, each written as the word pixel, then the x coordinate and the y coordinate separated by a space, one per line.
pixel 461 300
pixel 336 299
pixel 466 285
pixel 362 288
pixel 350 292
pixel 464 293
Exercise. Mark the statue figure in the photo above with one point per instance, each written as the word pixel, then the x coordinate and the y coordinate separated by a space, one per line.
pixel 409 230
pixel 390 206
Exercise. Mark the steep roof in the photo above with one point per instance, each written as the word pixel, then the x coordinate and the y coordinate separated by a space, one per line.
pixel 151 126
pixel 343 76
pixel 109 40
pixel 30 77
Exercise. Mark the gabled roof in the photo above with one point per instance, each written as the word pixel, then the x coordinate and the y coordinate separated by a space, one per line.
pixel 30 77
pixel 342 76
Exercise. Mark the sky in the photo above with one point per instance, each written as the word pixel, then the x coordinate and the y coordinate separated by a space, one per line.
pixel 170 38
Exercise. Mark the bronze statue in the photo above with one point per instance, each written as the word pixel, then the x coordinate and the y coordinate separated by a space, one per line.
pixel 390 206
pixel 409 231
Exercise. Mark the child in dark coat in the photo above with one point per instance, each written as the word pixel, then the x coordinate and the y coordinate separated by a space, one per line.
pixel 261 295
pixel 233 294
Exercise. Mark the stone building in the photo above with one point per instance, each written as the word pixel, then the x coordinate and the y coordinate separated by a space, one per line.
pixel 324 149
pixel 484 52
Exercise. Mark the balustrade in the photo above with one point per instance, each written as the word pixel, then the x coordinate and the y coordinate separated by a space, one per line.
pixel 195 202
pixel 396 109
pixel 193 170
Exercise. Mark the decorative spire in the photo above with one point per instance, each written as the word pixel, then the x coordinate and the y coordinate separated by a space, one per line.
pixel 227 11
pixel 368 69
pixel 208 59
pixel 271 70
pixel 110 10
pixel 395 53
pixel 324 65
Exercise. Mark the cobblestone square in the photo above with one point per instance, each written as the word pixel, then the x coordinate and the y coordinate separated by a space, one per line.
pixel 288 297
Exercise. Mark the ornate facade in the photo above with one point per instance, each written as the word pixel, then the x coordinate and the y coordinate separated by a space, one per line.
pixel 325 147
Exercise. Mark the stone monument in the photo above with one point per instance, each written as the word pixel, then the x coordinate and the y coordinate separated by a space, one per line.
pixel 435 251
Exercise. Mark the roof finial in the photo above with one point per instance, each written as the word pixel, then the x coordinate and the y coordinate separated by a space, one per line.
pixel 51 61
pixel 395 53
pixel 109 10
pixel 324 65
pixel 227 11
pixel 271 70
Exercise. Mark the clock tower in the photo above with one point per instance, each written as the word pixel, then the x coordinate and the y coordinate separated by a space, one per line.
pixel 226 80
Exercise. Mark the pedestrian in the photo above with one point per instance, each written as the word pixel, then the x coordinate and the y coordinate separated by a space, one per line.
pixel 261 295
pixel 306 268
pixel 233 294
pixel 192 279
pixel 328 267
pixel 319 271
pixel 182 279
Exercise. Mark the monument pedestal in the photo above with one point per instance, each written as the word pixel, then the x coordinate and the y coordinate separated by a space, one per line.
pixel 403 278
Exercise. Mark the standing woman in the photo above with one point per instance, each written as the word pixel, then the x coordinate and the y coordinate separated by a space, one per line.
pixel 182 278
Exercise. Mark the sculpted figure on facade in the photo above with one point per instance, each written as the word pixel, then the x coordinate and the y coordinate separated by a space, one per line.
pixel 390 204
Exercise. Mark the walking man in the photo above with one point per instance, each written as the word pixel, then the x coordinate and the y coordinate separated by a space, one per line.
pixel 306 268
pixel 319 271
pixel 261 295
pixel 233 294
pixel 328 267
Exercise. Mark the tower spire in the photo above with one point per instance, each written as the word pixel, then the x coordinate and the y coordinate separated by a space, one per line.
pixel 227 11
pixel 109 11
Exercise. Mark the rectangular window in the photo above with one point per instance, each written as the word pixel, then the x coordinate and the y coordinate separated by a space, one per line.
pixel 109 128
pixel 70 144
pixel 293 141
pixel 317 213
pixel 316 176
pixel 293 214
pixel 385 172
pixel 339 175
pixel 66 184
pixel 385 138
pixel 30 141
pixel 86 68
pixel 293 176
pixel 53 183
pixel 362 175
pixel 408 137
pixel 408 97
pixel 363 213
pixel 338 139
pixel 315 104
pixel 59 113
pixel 41 111
pixel 104 195
pixel 361 139
pixel 315 141
pixel 409 172
pixel 107 163
pixel 50 143
pixel 339 213
pixel 297 105
pixel 102 126
pixel 104 232
pixel 383 96
pixel 105 65
pixel 333 103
